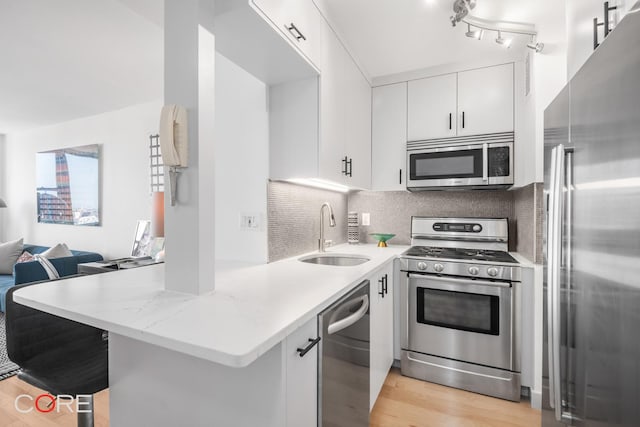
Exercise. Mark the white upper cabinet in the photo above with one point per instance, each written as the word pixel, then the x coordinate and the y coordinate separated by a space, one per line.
pixel 432 108
pixel 358 131
pixel 345 117
pixel 485 100
pixel 301 23
pixel 470 102
pixel 580 28
pixel 321 127
pixel 389 137
pixel 333 121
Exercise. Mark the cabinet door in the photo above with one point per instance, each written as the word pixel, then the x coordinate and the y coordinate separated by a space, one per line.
pixel 332 108
pixel 302 377
pixel 300 21
pixel 580 15
pixel 273 9
pixel 358 131
pixel 381 315
pixel 307 25
pixel 485 100
pixel 389 137
pixel 432 108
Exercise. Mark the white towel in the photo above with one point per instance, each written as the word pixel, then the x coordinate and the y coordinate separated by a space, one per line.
pixel 174 135
pixel 48 267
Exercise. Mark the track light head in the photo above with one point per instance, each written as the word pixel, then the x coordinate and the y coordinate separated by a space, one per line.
pixel 536 46
pixel 475 34
pixel 504 42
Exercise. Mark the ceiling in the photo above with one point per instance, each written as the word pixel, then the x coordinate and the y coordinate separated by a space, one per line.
pixel 66 59
pixel 393 36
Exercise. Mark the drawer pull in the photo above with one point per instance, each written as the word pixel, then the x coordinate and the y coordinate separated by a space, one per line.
pixel 312 343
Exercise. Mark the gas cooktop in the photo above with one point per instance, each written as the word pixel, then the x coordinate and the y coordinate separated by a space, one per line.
pixel 460 254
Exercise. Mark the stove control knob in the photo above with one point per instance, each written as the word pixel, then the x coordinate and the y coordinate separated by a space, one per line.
pixel 422 266
pixel 438 268
pixel 492 271
pixel 474 271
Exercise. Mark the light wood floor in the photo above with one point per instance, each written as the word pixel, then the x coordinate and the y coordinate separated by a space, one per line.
pixel 406 402
pixel 403 402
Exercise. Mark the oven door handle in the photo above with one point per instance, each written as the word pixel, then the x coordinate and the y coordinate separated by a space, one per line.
pixel 461 281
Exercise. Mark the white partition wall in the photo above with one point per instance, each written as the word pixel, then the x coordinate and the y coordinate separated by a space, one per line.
pixel 189 70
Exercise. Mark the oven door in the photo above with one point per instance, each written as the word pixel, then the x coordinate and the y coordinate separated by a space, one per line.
pixel 477 165
pixel 461 319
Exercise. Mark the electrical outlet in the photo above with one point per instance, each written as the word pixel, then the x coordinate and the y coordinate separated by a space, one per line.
pixel 366 218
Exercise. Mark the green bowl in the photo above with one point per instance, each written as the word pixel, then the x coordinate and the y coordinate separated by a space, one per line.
pixel 382 238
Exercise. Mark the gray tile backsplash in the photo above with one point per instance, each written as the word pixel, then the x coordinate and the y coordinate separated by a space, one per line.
pixel 391 211
pixel 294 215
pixel 294 218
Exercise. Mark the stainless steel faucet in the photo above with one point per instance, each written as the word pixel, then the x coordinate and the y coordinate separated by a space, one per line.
pixel 332 223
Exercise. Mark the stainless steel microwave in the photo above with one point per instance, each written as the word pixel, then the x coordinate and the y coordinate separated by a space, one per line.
pixel 468 162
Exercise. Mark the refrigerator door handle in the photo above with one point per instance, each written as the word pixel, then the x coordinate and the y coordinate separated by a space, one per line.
pixel 556 196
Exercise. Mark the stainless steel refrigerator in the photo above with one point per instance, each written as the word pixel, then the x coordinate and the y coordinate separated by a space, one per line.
pixel 591 359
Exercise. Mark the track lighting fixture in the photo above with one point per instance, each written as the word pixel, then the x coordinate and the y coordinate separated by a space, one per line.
pixel 475 34
pixel 462 10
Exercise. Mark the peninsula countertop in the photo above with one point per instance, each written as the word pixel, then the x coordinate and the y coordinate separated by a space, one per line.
pixel 252 308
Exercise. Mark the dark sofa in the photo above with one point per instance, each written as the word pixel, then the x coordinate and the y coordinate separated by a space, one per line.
pixel 32 271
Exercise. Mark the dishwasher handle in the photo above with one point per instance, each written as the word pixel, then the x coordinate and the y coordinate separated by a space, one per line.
pixel 337 326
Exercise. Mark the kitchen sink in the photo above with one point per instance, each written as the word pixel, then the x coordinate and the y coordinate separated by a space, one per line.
pixel 342 260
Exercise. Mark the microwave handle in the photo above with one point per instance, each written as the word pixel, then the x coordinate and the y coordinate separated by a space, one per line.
pixel 485 162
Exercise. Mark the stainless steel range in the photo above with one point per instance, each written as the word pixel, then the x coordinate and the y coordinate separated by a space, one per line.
pixel 460 298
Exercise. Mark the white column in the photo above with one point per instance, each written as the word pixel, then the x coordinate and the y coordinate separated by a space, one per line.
pixel 189 53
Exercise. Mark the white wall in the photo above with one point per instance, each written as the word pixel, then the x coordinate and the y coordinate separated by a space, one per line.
pixel 3 193
pixel 241 163
pixel 125 188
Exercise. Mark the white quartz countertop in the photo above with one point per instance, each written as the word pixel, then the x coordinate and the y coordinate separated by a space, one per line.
pixel 251 310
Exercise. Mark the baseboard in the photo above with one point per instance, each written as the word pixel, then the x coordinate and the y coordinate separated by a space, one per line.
pixel 536 399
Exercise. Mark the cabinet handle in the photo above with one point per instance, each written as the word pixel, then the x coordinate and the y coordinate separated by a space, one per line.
pixel 463 120
pixel 381 291
pixel 596 24
pixel 350 165
pixel 607 9
pixel 385 283
pixel 400 176
pixel 298 35
pixel 312 343
pixel 344 165
pixel 450 120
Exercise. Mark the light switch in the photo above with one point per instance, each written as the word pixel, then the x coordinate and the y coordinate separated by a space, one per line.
pixel 366 218
pixel 250 221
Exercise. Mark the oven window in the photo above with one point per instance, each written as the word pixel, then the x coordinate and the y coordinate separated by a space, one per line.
pixel 459 310
pixel 448 164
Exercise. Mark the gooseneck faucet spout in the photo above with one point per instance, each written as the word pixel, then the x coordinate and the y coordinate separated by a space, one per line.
pixel 332 223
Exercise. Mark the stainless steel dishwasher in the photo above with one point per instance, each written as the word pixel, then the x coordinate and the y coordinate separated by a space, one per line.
pixel 343 372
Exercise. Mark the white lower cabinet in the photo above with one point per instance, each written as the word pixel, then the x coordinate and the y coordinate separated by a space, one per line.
pixel 302 376
pixel 381 329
